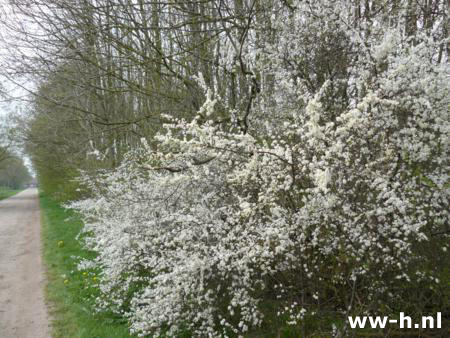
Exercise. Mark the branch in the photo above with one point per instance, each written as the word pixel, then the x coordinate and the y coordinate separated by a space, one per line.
pixel 177 170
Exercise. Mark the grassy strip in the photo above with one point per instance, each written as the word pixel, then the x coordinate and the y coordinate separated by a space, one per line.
pixel 69 291
pixel 7 192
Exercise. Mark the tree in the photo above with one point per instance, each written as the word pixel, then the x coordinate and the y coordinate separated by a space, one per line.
pixel 4 155
pixel 121 66
pixel 13 173
pixel 5 142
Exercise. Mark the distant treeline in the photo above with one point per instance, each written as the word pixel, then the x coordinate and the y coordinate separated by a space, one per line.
pixel 13 172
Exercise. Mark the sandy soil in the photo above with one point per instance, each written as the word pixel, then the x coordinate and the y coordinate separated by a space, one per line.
pixel 23 312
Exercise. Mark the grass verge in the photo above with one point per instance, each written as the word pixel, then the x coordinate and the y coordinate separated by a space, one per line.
pixel 70 292
pixel 7 192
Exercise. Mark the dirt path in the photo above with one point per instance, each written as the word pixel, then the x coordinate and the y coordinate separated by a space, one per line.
pixel 22 310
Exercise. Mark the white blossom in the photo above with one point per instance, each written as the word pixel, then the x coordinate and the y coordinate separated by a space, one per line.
pixel 191 233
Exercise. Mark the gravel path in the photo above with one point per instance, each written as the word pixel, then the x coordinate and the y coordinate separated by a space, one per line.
pixel 23 313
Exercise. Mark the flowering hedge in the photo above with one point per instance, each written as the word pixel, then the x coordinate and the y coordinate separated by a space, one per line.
pixel 333 196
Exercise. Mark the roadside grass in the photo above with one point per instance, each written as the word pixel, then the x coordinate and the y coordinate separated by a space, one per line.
pixel 69 292
pixel 7 192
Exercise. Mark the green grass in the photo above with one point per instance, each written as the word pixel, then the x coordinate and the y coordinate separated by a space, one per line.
pixel 7 192
pixel 68 291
